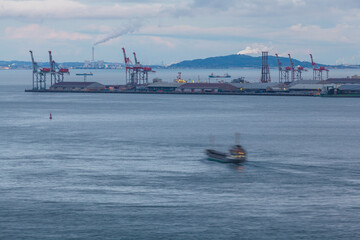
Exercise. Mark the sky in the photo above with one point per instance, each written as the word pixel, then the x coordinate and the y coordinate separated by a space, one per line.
pixel 169 31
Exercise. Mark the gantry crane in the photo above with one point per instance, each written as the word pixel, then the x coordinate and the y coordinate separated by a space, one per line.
pixel 35 76
pixel 129 70
pixel 292 79
pixel 296 73
pixel 142 72
pixel 318 72
pixel 56 72
pixel 137 70
pixel 39 75
pixel 283 73
pixel 52 69
pixel 136 74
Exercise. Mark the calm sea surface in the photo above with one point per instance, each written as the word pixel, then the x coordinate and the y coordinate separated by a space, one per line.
pixel 126 166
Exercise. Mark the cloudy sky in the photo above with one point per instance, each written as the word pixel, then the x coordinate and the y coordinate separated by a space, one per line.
pixel 168 31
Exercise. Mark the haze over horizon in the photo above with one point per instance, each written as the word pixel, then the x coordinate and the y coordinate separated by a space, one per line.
pixel 172 31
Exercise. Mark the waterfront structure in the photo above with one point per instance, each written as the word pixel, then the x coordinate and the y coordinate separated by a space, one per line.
pixel 253 87
pixel 348 80
pixel 77 86
pixel 308 87
pixel 206 88
pixel 116 88
pixel 163 86
pixel 349 89
pixel 345 90
pixel 305 82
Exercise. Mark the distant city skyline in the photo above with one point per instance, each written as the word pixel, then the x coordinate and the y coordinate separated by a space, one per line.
pixel 166 32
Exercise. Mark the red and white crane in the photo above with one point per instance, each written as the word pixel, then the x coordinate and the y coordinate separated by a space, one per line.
pixel 143 72
pixel 56 72
pixel 296 73
pixel 136 74
pixel 318 72
pixel 136 61
pixel 129 70
pixel 292 79
pixel 283 73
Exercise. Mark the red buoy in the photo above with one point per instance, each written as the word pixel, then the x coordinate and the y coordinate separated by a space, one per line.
pixel 50 116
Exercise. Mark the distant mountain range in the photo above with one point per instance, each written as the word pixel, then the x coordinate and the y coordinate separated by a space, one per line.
pixel 236 61
pixel 245 61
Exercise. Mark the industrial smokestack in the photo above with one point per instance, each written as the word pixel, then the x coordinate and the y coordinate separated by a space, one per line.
pixel 92 56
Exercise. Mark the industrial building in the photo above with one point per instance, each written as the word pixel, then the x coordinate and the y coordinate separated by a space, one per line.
pixel 115 88
pixel 163 86
pixel 254 87
pixel 206 88
pixel 77 86
pixel 347 80
pixel 349 89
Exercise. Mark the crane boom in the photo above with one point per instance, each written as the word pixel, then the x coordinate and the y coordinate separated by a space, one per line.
pixel 52 70
pixel 278 61
pixel 126 59
pixel 124 55
pixel 51 62
pixel 35 67
pixel 292 68
pixel 136 61
pixel 291 62
pixel 312 61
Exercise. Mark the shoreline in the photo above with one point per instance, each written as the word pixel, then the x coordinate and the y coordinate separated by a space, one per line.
pixel 205 93
pixel 180 93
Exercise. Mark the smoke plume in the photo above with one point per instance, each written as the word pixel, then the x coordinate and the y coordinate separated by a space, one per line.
pixel 129 28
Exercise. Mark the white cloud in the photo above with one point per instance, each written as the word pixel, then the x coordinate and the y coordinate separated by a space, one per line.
pixel 292 2
pixel 298 2
pixel 254 49
pixel 163 42
pixel 187 30
pixel 72 9
pixel 336 34
pixel 215 26
pixel 35 31
pixel 95 28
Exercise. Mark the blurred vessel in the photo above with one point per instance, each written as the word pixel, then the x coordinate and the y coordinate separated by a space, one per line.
pixel 218 76
pixel 179 79
pixel 236 155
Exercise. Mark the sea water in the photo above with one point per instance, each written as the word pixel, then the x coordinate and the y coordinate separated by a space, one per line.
pixel 132 166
